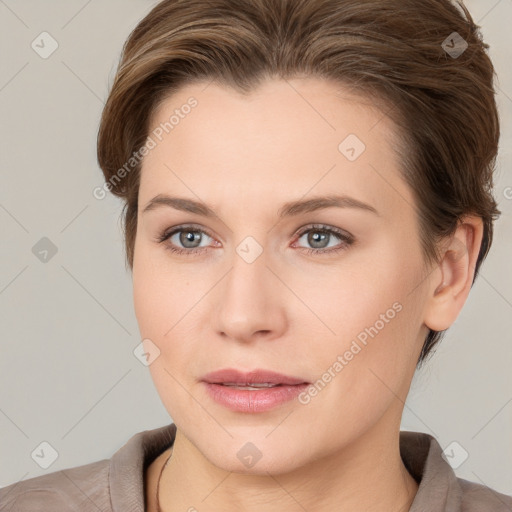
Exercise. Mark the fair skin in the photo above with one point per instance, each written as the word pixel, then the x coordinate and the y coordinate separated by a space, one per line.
pixel 287 311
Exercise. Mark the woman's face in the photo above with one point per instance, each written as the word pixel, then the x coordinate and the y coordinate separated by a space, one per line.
pixel 254 289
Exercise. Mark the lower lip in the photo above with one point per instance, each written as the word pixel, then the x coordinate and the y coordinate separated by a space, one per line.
pixel 253 400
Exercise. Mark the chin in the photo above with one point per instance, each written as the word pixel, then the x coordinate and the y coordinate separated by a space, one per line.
pixel 265 460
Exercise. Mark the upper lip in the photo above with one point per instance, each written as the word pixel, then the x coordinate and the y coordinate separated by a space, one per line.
pixel 257 376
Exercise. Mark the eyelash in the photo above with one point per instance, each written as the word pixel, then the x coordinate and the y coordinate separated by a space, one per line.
pixel 346 239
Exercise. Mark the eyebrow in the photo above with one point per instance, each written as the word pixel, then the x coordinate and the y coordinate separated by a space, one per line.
pixel 288 209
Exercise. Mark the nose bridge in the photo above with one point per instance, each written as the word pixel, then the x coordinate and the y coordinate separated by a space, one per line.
pixel 249 301
pixel 246 282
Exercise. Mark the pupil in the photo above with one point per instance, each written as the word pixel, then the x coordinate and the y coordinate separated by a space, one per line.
pixel 188 236
pixel 316 237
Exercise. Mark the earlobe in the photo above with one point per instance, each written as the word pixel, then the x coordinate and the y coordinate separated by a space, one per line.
pixel 451 281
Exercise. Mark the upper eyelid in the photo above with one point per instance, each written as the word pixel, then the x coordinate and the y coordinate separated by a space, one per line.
pixel 190 227
pixel 323 227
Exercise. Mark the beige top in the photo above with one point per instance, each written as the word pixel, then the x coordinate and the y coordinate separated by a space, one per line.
pixel 117 484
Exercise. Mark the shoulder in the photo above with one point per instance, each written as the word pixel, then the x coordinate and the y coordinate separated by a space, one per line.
pixel 83 488
pixel 109 484
pixel 480 498
pixel 439 487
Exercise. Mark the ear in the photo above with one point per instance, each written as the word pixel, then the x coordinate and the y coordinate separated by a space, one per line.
pixel 451 279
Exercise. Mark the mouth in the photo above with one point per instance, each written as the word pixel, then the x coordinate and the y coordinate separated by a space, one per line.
pixel 252 392
pixel 254 379
pixel 256 386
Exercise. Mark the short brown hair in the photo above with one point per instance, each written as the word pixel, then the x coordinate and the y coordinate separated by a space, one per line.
pixel 393 51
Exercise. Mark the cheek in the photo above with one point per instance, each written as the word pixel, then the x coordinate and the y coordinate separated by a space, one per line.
pixel 166 307
pixel 364 372
pixel 374 322
pixel 160 293
pixel 163 302
pixel 362 292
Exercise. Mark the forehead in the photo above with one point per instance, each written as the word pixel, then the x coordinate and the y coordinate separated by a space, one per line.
pixel 285 138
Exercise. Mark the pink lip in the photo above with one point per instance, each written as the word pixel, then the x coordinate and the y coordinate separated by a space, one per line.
pixel 234 376
pixel 248 400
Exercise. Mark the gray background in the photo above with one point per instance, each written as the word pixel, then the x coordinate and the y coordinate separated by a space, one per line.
pixel 68 373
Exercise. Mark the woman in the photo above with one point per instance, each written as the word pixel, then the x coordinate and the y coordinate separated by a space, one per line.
pixel 307 189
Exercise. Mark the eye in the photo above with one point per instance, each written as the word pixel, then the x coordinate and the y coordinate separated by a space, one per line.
pixel 319 236
pixel 187 239
pixel 187 236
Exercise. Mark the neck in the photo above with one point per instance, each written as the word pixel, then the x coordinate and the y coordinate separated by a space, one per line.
pixel 368 475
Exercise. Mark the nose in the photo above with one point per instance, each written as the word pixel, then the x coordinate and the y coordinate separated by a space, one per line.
pixel 250 301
